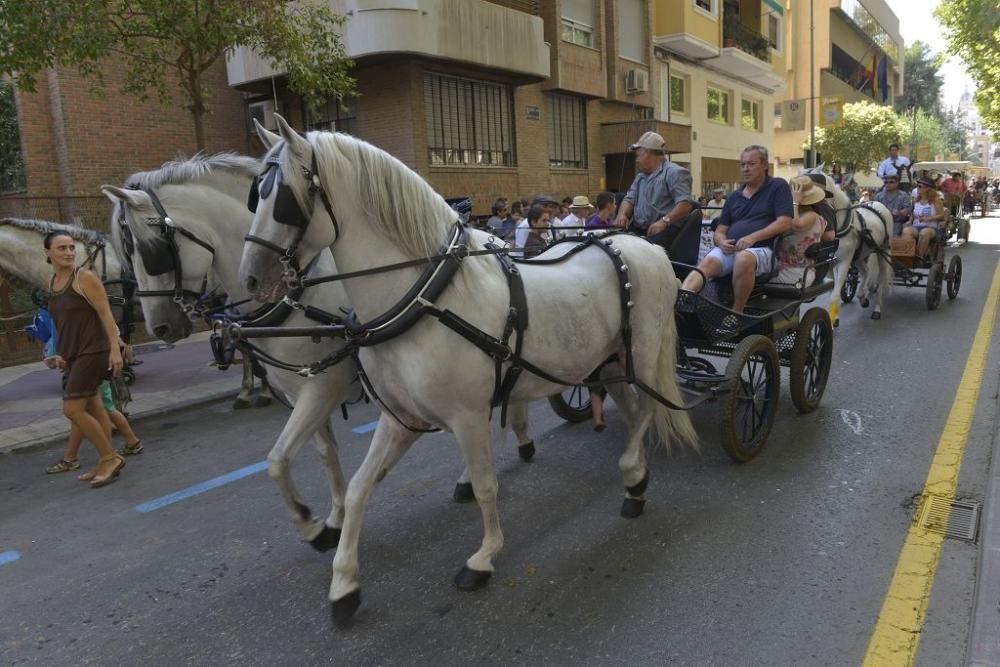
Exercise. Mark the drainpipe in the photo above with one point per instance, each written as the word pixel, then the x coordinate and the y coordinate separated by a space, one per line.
pixel 59 137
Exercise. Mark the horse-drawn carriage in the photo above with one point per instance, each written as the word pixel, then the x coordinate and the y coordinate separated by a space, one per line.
pixel 958 223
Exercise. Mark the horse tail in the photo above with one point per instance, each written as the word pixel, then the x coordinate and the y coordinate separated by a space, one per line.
pixel 672 426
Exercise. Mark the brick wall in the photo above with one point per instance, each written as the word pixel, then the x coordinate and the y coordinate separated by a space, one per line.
pixel 109 137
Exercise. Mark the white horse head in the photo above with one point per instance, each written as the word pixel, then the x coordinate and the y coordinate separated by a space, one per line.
pixel 366 186
pixel 22 256
pixel 193 193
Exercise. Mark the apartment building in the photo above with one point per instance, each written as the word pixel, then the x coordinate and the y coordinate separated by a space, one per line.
pixel 849 37
pixel 721 63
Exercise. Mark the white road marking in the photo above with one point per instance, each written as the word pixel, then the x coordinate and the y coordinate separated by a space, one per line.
pixel 853 420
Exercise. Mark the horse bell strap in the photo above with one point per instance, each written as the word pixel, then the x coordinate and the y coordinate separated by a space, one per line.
pixel 625 297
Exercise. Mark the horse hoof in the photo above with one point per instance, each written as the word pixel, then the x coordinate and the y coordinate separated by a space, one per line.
pixel 876 315
pixel 471 580
pixel 863 303
pixel 526 451
pixel 344 608
pixel 262 401
pixel 464 493
pixel 327 539
pixel 836 323
pixel 632 508
pixel 241 404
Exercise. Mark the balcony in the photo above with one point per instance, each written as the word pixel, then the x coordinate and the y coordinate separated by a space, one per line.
pixel 454 30
pixel 617 137
pixel 746 54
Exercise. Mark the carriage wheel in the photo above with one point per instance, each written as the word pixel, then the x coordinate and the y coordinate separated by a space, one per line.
pixel 811 357
pixel 573 404
pixel 954 276
pixel 964 229
pixel 128 376
pixel 934 279
pixel 850 286
pixel 753 380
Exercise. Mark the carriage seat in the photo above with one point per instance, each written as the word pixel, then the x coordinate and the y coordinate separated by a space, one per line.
pixel 822 254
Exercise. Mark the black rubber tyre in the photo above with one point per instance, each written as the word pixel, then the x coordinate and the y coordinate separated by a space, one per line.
pixel 954 276
pixel 935 276
pixel 753 383
pixel 812 354
pixel 963 228
pixel 128 375
pixel 850 286
pixel 573 405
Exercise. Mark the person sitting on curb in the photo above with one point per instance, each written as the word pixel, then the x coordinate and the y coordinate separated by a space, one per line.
pixel 752 217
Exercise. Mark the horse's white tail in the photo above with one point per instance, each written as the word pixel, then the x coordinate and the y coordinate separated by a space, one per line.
pixel 672 426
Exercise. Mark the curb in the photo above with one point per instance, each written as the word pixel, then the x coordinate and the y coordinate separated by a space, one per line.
pixel 984 634
pixel 47 441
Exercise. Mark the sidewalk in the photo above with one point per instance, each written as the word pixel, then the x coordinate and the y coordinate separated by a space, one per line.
pixel 170 378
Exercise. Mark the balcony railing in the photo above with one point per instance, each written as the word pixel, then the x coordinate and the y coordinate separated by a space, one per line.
pixel 738 34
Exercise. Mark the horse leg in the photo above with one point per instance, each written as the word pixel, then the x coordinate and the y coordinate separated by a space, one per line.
pixel 265 396
pixel 635 472
pixel 246 386
pixel 390 442
pixel 839 277
pixel 884 278
pixel 473 435
pixel 326 445
pixel 518 415
pixel 308 416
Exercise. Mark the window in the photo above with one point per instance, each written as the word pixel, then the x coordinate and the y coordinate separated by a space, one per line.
pixel 750 115
pixel 718 105
pixel 632 29
pixel 334 116
pixel 678 94
pixel 469 122
pixel 707 7
pixel 12 175
pixel 566 119
pixel 578 22
pixel 774 24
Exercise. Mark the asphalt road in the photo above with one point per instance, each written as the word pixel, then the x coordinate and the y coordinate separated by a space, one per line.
pixel 782 561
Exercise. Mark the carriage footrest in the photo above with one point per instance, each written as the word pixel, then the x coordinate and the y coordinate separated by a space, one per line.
pixel 794 292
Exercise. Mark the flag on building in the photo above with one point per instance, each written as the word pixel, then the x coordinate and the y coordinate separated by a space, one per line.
pixel 882 79
pixel 876 92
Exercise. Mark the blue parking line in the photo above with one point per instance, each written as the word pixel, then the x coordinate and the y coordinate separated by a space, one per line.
pixel 9 557
pixel 213 483
pixel 365 428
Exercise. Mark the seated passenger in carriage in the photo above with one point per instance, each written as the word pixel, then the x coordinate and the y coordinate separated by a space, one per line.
pixel 928 216
pixel 897 201
pixel 751 218
pixel 808 226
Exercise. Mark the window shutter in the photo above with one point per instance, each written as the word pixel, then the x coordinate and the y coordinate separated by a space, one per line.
pixel 581 11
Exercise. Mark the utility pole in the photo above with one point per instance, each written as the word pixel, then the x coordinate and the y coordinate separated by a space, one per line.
pixel 812 86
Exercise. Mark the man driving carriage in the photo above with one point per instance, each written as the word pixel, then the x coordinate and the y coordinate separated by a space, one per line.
pixel 659 199
pixel 895 164
pixel 752 217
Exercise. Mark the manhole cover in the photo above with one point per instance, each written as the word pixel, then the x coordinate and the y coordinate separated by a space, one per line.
pixel 957 519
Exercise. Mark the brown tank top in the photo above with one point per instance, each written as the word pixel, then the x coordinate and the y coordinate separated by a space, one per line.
pixel 77 323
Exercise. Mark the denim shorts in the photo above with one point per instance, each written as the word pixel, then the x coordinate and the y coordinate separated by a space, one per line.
pixel 764 258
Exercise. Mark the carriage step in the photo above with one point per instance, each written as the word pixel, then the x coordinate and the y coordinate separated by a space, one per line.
pixel 956 519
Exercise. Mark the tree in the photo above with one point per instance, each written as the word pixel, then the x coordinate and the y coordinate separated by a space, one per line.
pixel 166 43
pixel 922 82
pixel 863 140
pixel 955 134
pixel 11 161
pixel 930 131
pixel 972 28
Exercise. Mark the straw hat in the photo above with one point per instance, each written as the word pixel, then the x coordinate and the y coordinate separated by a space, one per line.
pixel 811 192
pixel 581 201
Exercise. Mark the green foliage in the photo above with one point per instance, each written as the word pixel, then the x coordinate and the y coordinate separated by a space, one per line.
pixel 12 177
pixel 863 140
pixel 921 81
pixel 972 28
pixel 929 130
pixel 166 43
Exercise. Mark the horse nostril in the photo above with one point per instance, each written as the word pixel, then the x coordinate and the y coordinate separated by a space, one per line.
pixel 252 283
pixel 161 331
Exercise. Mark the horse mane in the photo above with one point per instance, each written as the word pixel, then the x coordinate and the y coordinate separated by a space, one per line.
pixel 43 227
pixel 184 170
pixel 398 202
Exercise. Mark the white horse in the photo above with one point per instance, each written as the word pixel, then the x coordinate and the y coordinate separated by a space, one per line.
pixel 861 230
pixel 21 250
pixel 384 213
pixel 206 197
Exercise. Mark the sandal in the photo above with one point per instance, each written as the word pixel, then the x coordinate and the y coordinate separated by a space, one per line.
pixel 63 466
pixel 131 450
pixel 99 481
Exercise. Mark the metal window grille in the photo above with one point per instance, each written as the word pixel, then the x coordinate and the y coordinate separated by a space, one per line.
pixel 334 116
pixel 469 122
pixel 567 131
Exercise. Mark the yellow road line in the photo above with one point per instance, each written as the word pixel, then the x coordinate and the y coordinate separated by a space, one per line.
pixel 897 633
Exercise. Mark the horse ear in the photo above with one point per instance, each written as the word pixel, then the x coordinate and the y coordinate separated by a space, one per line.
pixel 292 139
pixel 267 137
pixel 134 198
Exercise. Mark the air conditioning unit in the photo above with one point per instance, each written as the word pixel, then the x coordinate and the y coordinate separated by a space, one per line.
pixel 636 81
pixel 263 113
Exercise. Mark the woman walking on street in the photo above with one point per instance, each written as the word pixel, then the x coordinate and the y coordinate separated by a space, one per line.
pixel 79 307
